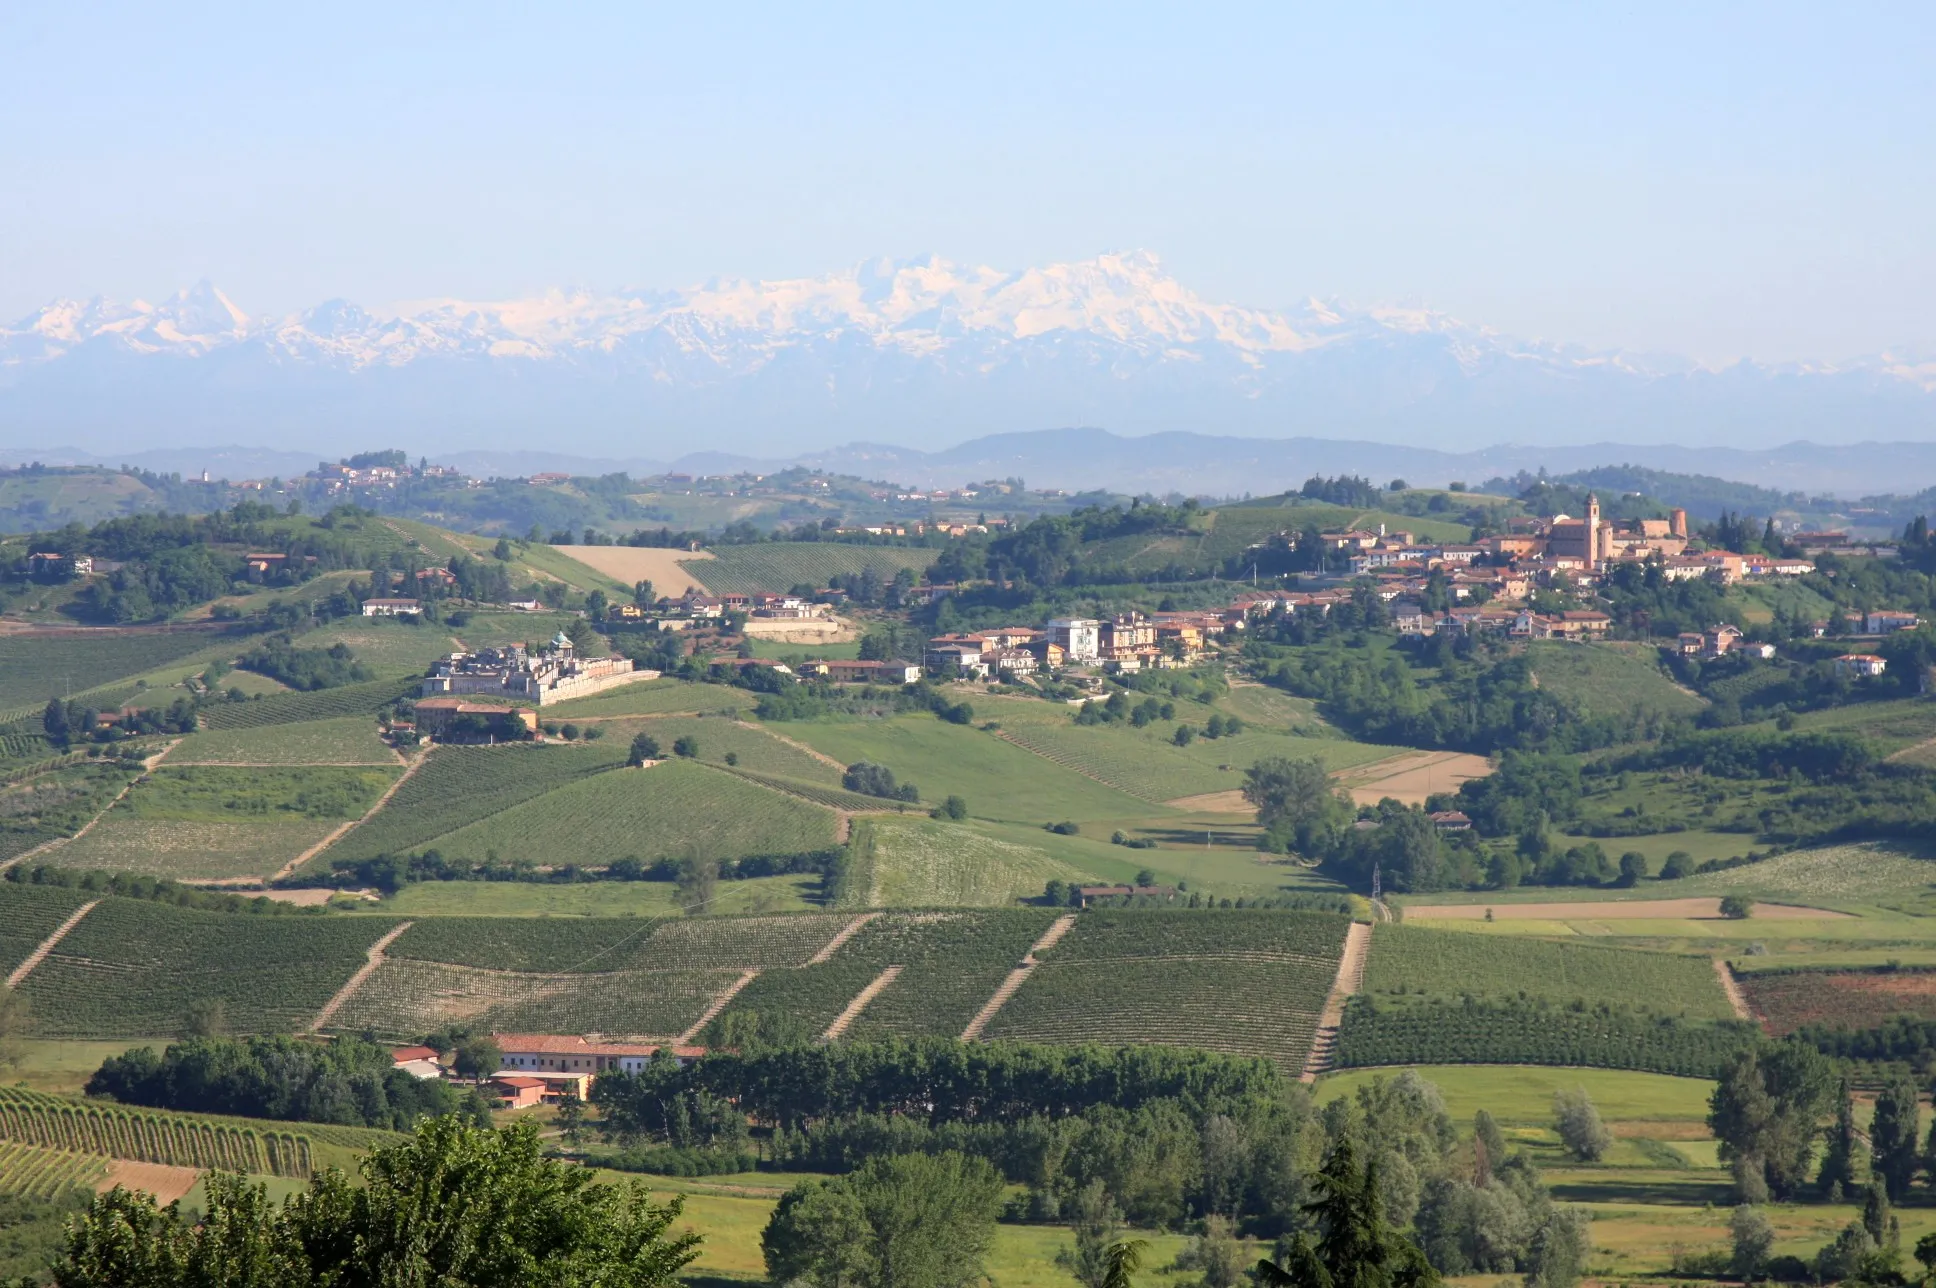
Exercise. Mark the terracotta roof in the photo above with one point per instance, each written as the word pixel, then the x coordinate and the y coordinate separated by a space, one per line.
pixel 552 1044
pixel 519 1084
pixel 403 1054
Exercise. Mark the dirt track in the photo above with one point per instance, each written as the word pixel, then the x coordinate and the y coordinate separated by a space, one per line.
pixel 1609 910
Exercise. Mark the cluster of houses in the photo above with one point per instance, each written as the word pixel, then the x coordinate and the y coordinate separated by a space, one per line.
pixel 541 1068
pixel 1535 551
pixel 695 609
pixel 1129 642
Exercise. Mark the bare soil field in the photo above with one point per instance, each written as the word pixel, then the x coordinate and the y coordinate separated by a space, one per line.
pixel 166 1183
pixel 1610 910
pixel 1411 778
pixel 663 567
pixel 1230 802
pixel 1838 999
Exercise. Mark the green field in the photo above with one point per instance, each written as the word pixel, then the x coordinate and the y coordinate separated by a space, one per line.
pixel 458 786
pixel 755 749
pixel 1524 1093
pixel 646 813
pixel 998 779
pixel 1895 726
pixel 178 1140
pixel 1608 679
pixel 655 697
pixel 388 647
pixel 781 565
pixel 1411 962
pixel 1247 983
pixel 210 821
pixel 926 863
pixel 134 969
pixel 348 740
pixel 56 804
pixel 44 1173
pixel 1145 762
pixel 34 668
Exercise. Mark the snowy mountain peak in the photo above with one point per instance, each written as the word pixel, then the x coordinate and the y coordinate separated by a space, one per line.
pixel 893 348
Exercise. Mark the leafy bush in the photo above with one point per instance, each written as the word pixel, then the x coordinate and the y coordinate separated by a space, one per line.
pixel 305 668
pixel 877 780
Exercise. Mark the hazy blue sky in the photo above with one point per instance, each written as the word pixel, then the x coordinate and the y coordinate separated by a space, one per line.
pixel 1717 180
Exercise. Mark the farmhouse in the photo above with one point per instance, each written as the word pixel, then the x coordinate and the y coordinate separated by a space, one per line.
pixel 868 672
pixel 1884 621
pixel 554 675
pixel 391 608
pixel 1866 665
pixel 454 720
pixel 543 1053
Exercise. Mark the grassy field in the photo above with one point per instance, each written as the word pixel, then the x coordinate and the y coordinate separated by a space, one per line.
pixel 1895 726
pixel 1408 962
pixel 998 779
pixel 1608 679
pixel 459 786
pixel 215 821
pixel 655 697
pixel 1517 1094
pixel 348 740
pixel 132 968
pixel 392 647
pixel 754 748
pixel 781 565
pixel 648 814
pixel 922 862
pixel 1249 983
pixel 56 804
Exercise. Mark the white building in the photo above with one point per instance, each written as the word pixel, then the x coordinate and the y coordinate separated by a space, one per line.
pixel 1080 638
pixel 391 608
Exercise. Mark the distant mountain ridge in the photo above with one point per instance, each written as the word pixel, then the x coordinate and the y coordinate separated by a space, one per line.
pixel 906 353
pixel 1085 459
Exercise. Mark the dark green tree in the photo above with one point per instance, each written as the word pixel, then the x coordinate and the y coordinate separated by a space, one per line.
pixel 1355 1247
pixel 1893 1137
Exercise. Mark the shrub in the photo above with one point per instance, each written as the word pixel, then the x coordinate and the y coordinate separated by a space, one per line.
pixel 1579 1125
pixel 1064 828
pixel 954 809
pixel 687 746
pixel 1737 907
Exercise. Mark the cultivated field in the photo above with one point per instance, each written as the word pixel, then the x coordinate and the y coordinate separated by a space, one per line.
pixel 1413 778
pixel 671 572
pixel 40 810
pixel 755 749
pixel 28 914
pixel 350 740
pixel 922 862
pixel 654 697
pixel 1249 983
pixel 388 648
pixel 45 1173
pixel 135 969
pixel 1788 1000
pixel 323 704
pixel 1870 872
pixel 1608 679
pixel 405 998
pixel 208 821
pixel 1409 962
pixel 458 786
pixel 36 666
pixel 780 565
pixel 179 1140
pixel 648 814
pixel 619 943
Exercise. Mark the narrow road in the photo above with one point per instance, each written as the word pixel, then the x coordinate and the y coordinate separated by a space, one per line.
pixel 861 999
pixel 1350 978
pixel 39 954
pixel 1732 987
pixel 338 833
pixel 373 958
pixel 88 826
pixel 718 1004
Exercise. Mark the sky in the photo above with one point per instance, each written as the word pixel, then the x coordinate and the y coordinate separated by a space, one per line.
pixel 1718 181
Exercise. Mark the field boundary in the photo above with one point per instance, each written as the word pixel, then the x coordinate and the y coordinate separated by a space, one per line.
pixel 841 936
pixel 1074 768
pixel 1732 987
pixel 853 1009
pixel 1017 977
pixel 47 945
pixel 1350 978
pixel 373 958
pixel 717 1005
pixel 346 828
pixel 794 743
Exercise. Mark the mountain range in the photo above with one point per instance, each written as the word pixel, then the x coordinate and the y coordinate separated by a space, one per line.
pixel 910 354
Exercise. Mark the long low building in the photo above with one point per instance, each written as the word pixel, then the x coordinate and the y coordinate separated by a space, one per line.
pixel 554 675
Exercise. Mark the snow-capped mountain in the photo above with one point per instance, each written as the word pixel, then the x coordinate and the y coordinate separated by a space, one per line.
pixel 915 352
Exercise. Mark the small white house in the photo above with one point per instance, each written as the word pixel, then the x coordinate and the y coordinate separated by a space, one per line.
pixel 1865 665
